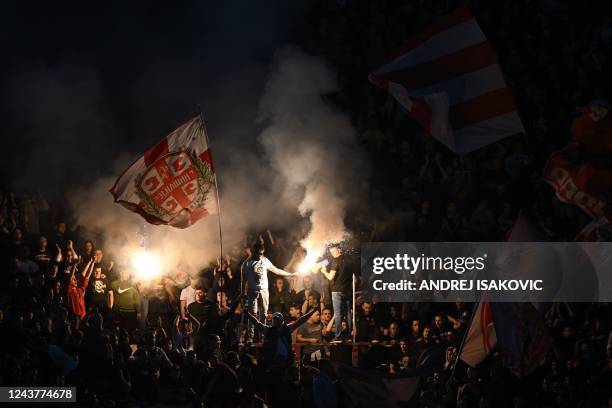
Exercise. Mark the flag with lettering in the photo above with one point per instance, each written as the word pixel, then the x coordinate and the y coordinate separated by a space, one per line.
pixel 172 183
pixel 449 79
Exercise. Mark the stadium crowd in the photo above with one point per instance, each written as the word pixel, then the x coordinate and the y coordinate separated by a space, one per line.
pixel 70 316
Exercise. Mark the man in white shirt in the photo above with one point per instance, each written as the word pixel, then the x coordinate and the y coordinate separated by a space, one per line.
pixel 255 271
pixel 188 295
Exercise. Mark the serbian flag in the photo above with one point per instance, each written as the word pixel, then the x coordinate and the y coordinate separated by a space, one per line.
pixel 173 182
pixel 581 173
pixel 449 80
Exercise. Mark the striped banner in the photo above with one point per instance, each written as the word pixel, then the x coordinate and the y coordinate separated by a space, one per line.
pixel 449 80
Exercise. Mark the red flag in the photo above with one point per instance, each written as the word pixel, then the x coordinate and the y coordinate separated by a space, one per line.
pixel 448 78
pixel 172 183
pixel 582 172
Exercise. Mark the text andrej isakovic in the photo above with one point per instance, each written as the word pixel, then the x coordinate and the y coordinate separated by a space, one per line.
pixel 459 265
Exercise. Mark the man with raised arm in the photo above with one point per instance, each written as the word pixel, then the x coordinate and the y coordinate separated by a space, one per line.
pixel 277 350
pixel 255 271
pixel 75 292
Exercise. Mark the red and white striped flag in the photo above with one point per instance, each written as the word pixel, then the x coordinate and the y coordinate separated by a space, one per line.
pixel 172 183
pixel 448 78
pixel 481 336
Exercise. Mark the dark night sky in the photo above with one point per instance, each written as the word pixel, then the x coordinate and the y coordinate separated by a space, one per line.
pixel 85 82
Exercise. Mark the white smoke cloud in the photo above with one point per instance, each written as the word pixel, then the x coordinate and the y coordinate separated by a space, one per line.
pixel 311 146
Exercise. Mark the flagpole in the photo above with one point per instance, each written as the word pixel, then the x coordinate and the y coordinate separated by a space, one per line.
pixel 216 187
pixel 467 329
pixel 353 314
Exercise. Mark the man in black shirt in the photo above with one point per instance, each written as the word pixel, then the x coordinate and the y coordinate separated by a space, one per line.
pixel 341 284
pixel 99 292
pixel 280 296
pixel 199 308
pixel 104 268
pixel 43 256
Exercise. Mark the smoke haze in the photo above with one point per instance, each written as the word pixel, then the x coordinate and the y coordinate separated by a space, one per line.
pixel 282 152
pixel 311 146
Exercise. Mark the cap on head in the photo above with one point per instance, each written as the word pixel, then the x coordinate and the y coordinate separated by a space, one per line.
pixel 278 316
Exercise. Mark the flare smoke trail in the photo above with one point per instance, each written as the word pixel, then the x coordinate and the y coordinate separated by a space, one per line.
pixel 311 146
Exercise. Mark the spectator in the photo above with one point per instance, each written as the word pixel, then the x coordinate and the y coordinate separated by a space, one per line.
pixel 126 300
pixel 340 275
pixel 184 335
pixel 295 311
pixel 280 296
pixel 255 270
pixel 188 295
pixel 311 333
pixel 75 293
pixel 99 292
pixel 277 348
pixel 326 320
pixel 199 309
pixel 367 327
pixel 313 301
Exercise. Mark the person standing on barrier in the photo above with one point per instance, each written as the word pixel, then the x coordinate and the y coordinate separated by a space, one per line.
pixel 341 284
pixel 255 271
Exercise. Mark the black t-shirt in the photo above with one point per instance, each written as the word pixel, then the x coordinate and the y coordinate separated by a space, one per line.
pixel 43 259
pixel 199 310
pixel 65 271
pixel 342 281
pixel 97 292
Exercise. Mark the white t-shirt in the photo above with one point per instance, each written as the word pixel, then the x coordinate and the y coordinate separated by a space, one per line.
pixel 188 295
pixel 257 273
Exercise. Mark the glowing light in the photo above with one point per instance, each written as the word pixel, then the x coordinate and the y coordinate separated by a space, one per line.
pixel 309 263
pixel 146 265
